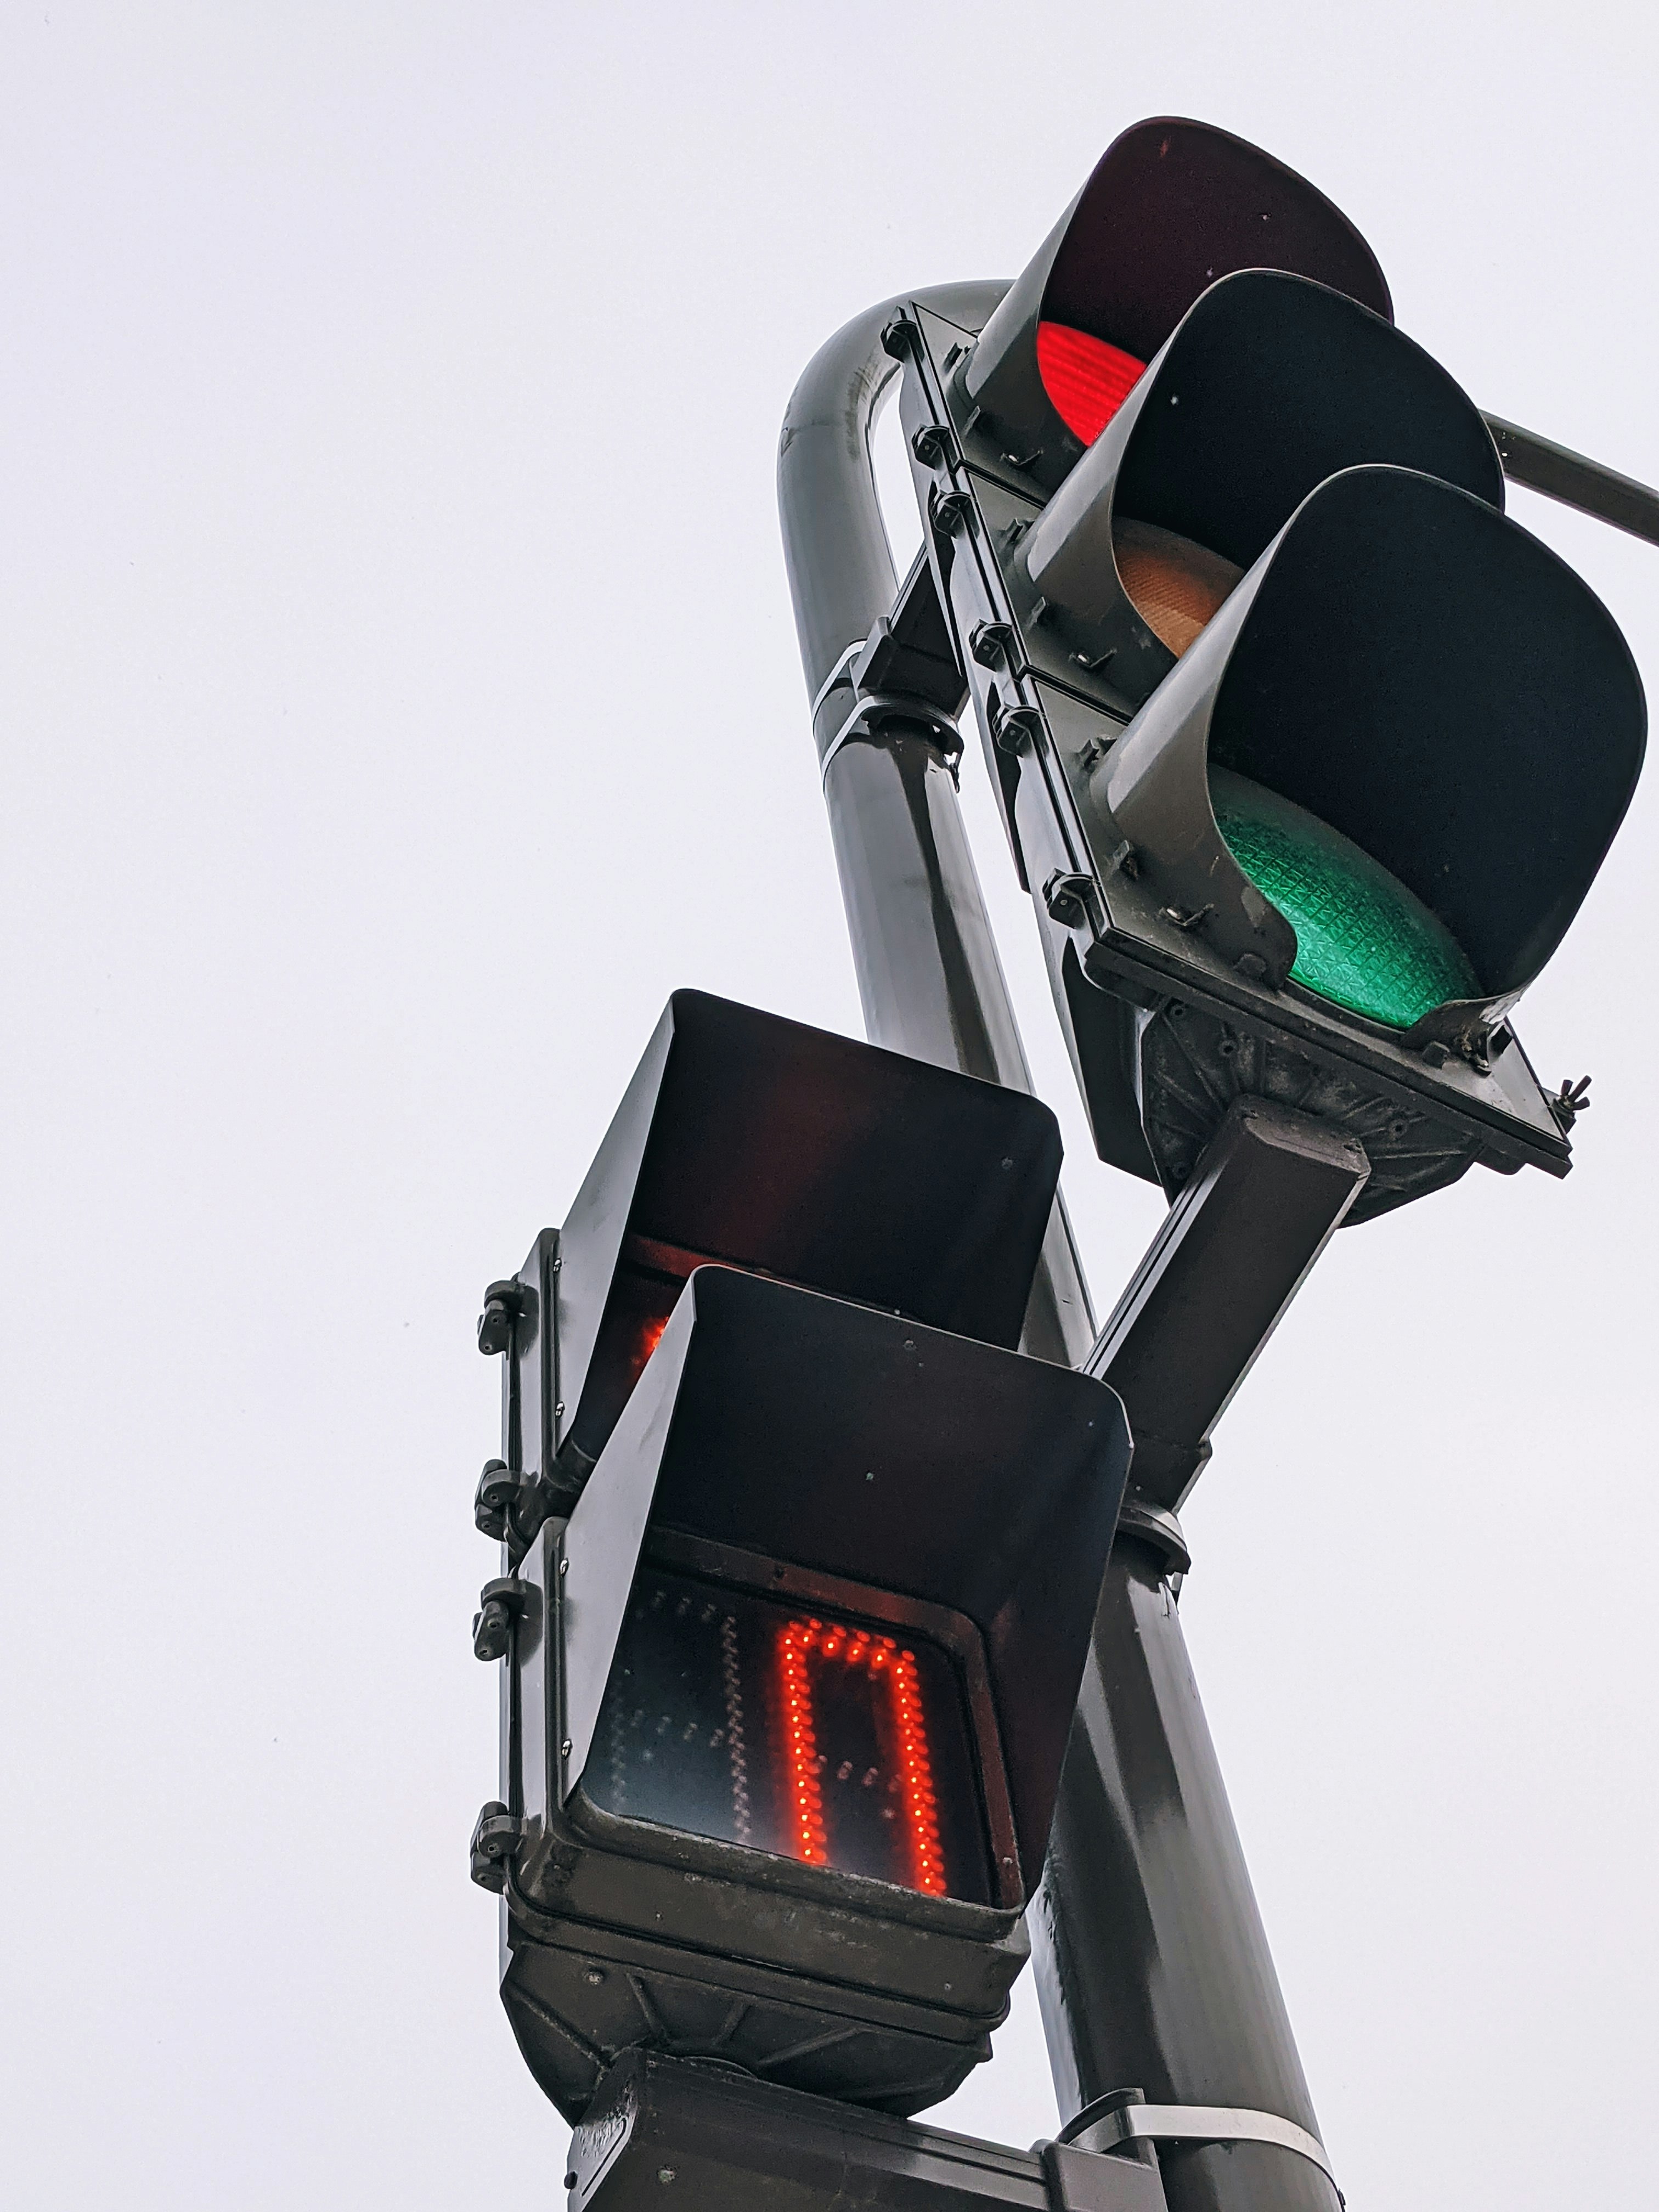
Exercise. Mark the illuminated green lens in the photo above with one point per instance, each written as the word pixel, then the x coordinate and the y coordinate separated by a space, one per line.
pixel 1363 939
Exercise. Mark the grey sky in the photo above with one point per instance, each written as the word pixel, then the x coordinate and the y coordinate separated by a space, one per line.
pixel 401 699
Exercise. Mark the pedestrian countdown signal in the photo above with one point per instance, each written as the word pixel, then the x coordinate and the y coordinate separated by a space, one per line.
pixel 813 1735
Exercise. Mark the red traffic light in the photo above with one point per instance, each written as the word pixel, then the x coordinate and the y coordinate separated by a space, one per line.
pixel 1171 207
pixel 1087 379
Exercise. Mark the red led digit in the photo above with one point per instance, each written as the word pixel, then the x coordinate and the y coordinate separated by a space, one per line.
pixel 916 1769
pixel 895 1670
pixel 801 1744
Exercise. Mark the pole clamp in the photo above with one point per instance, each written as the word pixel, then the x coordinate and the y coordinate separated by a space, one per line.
pixel 876 712
pixel 1122 2118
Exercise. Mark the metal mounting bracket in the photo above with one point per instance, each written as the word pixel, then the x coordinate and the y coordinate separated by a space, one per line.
pixel 875 709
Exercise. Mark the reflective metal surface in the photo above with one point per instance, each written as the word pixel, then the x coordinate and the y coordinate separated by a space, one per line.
pixel 1152 1962
pixel 1576 480
pixel 1196 2123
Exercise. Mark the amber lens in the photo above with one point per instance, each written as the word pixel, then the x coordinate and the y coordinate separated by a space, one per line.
pixel 1174 585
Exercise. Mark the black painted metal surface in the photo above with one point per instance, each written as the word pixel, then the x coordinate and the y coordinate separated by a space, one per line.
pixel 665 2137
pixel 1152 1965
pixel 1576 481
pixel 748 1139
pixel 1270 385
pixel 1128 1903
pixel 929 979
pixel 1270 1190
pixel 1464 763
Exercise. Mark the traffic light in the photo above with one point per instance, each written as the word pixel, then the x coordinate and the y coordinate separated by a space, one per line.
pixel 750 1140
pixel 790 1678
pixel 1307 754
pixel 1171 206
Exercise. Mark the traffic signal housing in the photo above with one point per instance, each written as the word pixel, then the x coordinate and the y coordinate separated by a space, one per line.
pixel 1171 207
pixel 1306 753
pixel 758 1142
pixel 789 1684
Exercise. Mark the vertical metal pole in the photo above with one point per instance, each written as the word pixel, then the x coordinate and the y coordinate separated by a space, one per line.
pixel 1152 1966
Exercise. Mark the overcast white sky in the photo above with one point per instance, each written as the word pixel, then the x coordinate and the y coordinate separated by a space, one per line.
pixel 401 698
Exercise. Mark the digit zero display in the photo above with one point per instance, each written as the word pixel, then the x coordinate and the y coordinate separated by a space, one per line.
pixel 821 1736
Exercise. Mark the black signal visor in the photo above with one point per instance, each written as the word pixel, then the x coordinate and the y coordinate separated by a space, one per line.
pixel 753 1141
pixel 1172 205
pixel 1270 385
pixel 1417 672
pixel 825 1436
pixel 1435 684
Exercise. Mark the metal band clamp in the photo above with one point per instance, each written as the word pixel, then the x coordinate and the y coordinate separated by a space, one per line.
pixel 1095 2128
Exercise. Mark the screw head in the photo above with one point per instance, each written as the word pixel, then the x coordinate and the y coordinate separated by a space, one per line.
pixel 564 1749
pixel 664 2173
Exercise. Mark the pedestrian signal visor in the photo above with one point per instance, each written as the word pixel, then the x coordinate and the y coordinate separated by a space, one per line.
pixel 748 1140
pixel 794 1681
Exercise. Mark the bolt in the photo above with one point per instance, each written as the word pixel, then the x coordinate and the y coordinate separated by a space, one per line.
pixel 558 1405
pixel 664 2173
pixel 594 1975
pixel 564 1749
pixel 564 1566
pixel 991 643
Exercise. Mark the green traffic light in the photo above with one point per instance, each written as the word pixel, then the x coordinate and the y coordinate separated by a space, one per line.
pixel 1364 941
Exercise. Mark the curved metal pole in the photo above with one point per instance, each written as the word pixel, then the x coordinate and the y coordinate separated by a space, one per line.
pixel 929 979
pixel 1152 1966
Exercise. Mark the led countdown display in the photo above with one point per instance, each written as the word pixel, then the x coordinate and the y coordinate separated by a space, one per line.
pixel 840 1742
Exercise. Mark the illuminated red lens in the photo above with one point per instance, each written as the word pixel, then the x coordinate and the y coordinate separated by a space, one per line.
pixel 896 1669
pixel 1087 379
